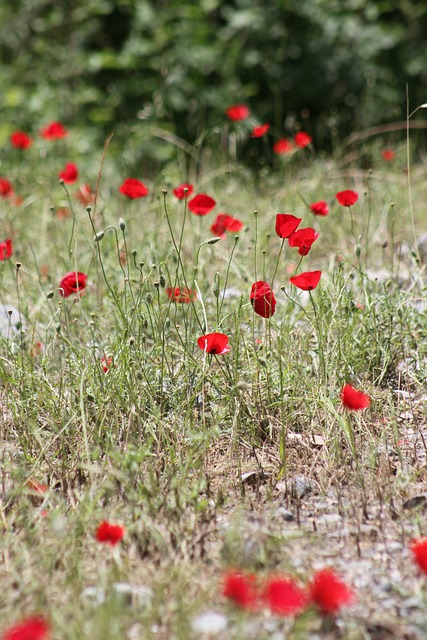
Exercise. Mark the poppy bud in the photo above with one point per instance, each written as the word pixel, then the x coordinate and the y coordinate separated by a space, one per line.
pixel 213 240
pixel 50 295
pixel 99 236
pixel 122 224
pixel 358 250
pixel 162 281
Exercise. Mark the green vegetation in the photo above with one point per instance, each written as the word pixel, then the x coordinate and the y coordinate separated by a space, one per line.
pixel 160 439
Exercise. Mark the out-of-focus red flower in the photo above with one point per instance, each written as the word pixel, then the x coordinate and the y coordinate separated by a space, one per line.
pixel 388 155
pixel 419 553
pixel 347 198
pixel 37 487
pixel 108 533
pixel 72 283
pixel 283 596
pixel 302 139
pixel 262 299
pixel 224 223
pixel 201 204
pixel 320 208
pixel 260 130
pixel 6 249
pixel 5 188
pixel 35 628
pixel 329 592
pixel 85 195
pixel 286 224
pixel 54 131
pixel 183 191
pixel 306 281
pixel 241 589
pixel 214 343
pixel 182 296
pixel 353 399
pixel 20 140
pixel 283 146
pixel 133 188
pixel 237 112
pixel 69 174
pixel 303 239
pixel 106 363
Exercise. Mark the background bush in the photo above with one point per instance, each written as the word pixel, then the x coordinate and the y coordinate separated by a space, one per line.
pixel 125 65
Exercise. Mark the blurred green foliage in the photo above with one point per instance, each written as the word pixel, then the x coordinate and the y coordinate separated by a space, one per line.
pixel 329 67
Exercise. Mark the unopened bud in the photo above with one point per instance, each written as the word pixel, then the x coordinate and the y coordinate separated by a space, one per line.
pixel 213 240
pixel 50 295
pixel 99 236
pixel 122 224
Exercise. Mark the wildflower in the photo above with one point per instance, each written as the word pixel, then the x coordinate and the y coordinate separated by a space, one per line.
pixel 347 198
pixel 419 552
pixel 320 208
pixel 283 146
pixel 37 487
pixel 108 533
pixel 387 155
pixel 237 112
pixel 353 399
pixel 6 249
pixel 283 596
pixel 183 191
pixel 214 343
pixel 201 204
pixel 329 592
pixel 240 589
pixel 306 281
pixel 106 363
pixel 183 296
pixel 260 130
pixel 54 131
pixel 85 195
pixel 35 628
pixel 72 282
pixel 303 239
pixel 223 223
pixel 5 188
pixel 302 139
pixel 133 188
pixel 20 140
pixel 262 299
pixel 69 174
pixel 286 224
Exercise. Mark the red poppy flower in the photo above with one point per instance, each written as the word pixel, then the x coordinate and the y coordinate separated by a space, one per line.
pixel 284 597
pixel 419 552
pixel 286 224
pixel 183 191
pixel 73 282
pixel 35 628
pixel 320 208
pixel 306 281
pixel 108 533
pixel 388 155
pixel 329 592
pixel 133 189
pixel 303 239
pixel 353 399
pixel 214 343
pixel 237 112
pixel 85 195
pixel 54 131
pixel 183 296
pixel 201 204
pixel 37 487
pixel 5 188
pixel 5 249
pixel 223 223
pixel 302 139
pixel 69 174
pixel 347 198
pixel 259 131
pixel 283 146
pixel 20 140
pixel 241 589
pixel 106 363
pixel 262 299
